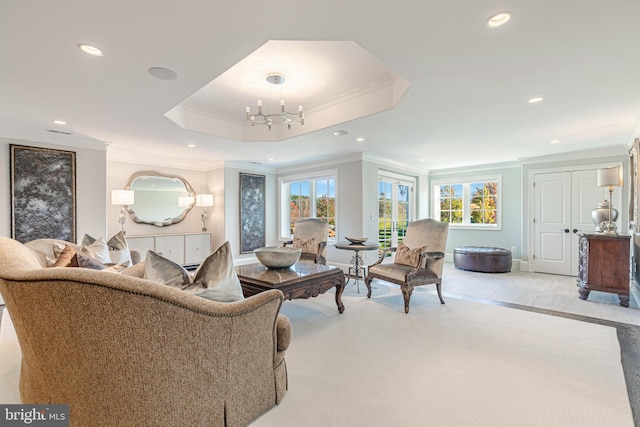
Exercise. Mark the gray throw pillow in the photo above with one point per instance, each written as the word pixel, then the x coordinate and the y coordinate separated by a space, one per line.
pixel 165 271
pixel 217 275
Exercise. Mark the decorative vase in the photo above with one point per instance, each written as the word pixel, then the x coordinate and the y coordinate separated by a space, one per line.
pixel 601 214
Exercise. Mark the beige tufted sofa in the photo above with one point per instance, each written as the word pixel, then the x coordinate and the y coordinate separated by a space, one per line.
pixel 121 350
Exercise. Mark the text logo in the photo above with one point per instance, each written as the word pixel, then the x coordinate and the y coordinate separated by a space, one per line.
pixel 34 415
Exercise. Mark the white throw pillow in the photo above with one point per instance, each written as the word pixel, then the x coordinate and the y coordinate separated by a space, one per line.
pixel 119 249
pixel 96 249
pixel 115 251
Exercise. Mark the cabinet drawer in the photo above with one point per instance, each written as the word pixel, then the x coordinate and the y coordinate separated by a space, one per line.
pixel 141 245
pixel 171 247
pixel 197 248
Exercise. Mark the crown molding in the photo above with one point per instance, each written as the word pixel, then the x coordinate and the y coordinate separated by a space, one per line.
pixel 62 140
pixel 393 164
pixel 611 151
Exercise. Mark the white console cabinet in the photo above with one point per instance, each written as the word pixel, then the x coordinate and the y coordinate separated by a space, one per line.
pixel 185 249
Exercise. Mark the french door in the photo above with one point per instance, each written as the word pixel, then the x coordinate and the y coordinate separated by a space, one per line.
pixel 396 201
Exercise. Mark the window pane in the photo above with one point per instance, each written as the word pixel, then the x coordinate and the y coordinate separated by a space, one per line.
pixel 481 197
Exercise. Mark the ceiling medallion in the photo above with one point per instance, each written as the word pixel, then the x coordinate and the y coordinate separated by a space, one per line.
pixel 283 117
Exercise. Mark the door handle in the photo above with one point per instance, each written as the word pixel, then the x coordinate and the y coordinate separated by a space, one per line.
pixel 575 230
pixel 566 230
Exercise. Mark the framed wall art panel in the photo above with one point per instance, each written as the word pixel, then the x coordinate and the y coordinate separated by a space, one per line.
pixel 252 212
pixel 43 193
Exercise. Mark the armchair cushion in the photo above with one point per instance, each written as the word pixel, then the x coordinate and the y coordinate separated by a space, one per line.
pixel 407 256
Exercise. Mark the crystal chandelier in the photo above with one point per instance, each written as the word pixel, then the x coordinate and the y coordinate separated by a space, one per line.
pixel 283 117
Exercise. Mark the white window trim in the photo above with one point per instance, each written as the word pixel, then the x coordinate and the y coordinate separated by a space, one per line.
pixel 410 181
pixel 435 185
pixel 283 205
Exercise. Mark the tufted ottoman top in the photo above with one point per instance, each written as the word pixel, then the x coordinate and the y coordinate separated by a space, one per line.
pixel 482 250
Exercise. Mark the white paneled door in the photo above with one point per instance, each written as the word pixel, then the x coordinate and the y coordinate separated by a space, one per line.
pixel 563 202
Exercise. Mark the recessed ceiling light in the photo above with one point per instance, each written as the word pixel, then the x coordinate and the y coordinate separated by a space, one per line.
pixel 340 132
pixel 359 139
pixel 498 19
pixel 270 159
pixel 91 50
pixel 536 99
pixel 163 73
pixel 59 122
pixel 191 145
pixel 554 141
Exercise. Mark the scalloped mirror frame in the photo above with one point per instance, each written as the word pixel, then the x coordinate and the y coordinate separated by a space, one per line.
pixel 161 220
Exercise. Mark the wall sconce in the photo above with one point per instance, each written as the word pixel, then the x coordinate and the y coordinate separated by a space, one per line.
pixel 204 200
pixel 122 198
pixel 185 202
pixel 609 177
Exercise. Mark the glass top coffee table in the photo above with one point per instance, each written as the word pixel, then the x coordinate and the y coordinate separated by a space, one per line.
pixel 302 280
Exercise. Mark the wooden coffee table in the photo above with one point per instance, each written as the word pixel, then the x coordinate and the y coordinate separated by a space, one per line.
pixel 302 280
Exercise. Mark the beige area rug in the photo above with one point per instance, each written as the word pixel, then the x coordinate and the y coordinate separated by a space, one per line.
pixel 459 364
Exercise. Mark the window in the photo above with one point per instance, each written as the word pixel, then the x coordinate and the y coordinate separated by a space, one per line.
pixel 471 203
pixel 312 196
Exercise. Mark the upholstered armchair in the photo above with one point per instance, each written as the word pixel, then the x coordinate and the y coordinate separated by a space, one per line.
pixel 419 259
pixel 310 235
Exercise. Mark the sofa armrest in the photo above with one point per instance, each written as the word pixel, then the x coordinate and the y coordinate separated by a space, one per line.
pixel 283 332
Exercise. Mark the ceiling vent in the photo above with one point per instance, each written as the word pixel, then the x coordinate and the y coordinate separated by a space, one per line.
pixel 59 131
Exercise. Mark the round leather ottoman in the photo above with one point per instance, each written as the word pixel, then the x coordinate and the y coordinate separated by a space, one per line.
pixel 482 259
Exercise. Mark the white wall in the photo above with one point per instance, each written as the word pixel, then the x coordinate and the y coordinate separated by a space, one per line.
pixel 118 174
pixel 215 182
pixel 511 233
pixel 91 178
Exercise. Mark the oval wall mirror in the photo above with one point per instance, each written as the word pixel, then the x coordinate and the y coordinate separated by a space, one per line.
pixel 159 199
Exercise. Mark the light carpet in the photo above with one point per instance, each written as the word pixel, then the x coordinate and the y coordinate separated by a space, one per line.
pixel 459 364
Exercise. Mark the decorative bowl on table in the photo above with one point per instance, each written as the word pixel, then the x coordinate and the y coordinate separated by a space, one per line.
pixel 278 257
pixel 357 240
